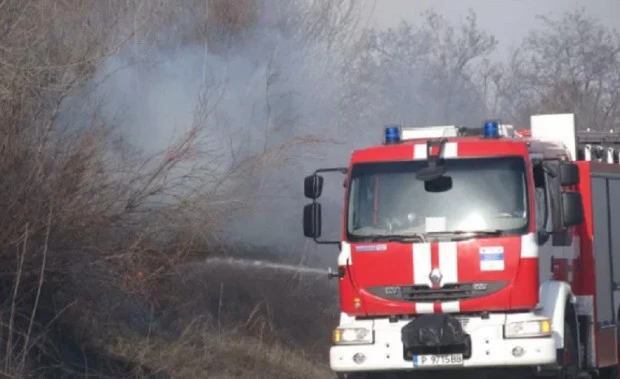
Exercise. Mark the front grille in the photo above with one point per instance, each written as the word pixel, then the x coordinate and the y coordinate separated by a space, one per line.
pixel 426 294
pixel 449 292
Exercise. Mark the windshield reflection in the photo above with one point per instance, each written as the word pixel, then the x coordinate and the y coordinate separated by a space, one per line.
pixel 479 195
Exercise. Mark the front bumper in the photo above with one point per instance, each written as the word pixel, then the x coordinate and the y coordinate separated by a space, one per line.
pixel 488 348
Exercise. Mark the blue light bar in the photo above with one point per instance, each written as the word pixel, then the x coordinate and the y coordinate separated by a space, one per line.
pixel 491 129
pixel 392 134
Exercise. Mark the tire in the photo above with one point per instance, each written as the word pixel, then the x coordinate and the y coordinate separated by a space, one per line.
pixel 569 355
pixel 608 373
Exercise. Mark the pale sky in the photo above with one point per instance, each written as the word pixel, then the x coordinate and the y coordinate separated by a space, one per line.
pixel 508 20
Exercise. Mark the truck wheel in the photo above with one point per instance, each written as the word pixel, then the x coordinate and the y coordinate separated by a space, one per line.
pixel 608 373
pixel 569 355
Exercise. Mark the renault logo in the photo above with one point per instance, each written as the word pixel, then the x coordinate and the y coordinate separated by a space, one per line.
pixel 435 276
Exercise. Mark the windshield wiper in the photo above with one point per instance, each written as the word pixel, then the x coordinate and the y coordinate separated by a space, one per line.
pixel 493 232
pixel 414 237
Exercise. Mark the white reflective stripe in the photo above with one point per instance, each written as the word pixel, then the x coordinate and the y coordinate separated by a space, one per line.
pixel 451 306
pixel 424 308
pixel 448 263
pixel 421 271
pixel 529 248
pixel 345 254
pixel 449 267
pixel 421 263
pixel 419 151
pixel 450 150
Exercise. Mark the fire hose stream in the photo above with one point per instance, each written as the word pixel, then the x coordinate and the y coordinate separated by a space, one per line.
pixel 264 264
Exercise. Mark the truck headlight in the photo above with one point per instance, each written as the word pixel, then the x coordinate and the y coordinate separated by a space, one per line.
pixel 353 336
pixel 524 329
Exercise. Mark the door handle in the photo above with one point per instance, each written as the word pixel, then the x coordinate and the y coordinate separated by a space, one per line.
pixel 552 264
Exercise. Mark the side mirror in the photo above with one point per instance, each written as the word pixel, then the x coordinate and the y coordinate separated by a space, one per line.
pixel 313 186
pixel 569 174
pixel 312 220
pixel 572 208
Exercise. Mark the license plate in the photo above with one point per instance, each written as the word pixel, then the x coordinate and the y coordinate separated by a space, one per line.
pixel 438 360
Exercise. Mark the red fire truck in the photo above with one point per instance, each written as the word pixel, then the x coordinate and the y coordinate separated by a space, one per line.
pixel 478 248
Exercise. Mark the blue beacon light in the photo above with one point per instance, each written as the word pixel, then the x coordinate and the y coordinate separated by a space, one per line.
pixel 491 129
pixel 392 134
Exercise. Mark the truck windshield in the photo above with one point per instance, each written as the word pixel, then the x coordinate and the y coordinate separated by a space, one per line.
pixel 477 195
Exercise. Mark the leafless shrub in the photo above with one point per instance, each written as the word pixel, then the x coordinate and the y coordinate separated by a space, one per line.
pixel 91 226
pixel 569 64
pixel 66 201
pixel 420 74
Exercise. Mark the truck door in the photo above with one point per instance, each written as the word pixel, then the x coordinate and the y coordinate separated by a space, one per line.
pixel 606 267
pixel 614 231
pixel 556 251
pixel 602 251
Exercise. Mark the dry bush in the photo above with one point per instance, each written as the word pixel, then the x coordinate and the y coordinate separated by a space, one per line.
pixel 94 233
pixel 72 205
pixel 232 17
pixel 223 25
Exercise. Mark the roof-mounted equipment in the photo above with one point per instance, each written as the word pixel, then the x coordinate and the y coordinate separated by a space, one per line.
pixel 598 146
pixel 414 132
pixel 392 134
pixel 490 129
pixel 556 128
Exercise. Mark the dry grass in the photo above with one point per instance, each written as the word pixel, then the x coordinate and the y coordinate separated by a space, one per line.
pixel 270 304
pixel 219 320
pixel 254 323
pixel 207 353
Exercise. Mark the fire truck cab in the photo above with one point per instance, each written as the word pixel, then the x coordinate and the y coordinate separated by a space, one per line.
pixel 478 249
